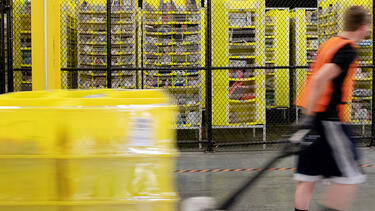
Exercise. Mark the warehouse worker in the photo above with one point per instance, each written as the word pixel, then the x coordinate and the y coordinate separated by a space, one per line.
pixel 325 96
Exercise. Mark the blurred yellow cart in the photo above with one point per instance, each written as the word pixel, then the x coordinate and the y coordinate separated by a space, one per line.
pixel 90 150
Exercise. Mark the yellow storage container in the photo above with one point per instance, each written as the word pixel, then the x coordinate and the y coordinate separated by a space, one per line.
pixel 87 150
pixel 27 179
pixel 125 205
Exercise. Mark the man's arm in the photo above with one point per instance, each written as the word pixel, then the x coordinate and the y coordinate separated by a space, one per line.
pixel 319 82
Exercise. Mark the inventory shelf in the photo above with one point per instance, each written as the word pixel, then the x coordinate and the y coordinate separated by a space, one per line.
pixel 92 43
pixel 239 94
pixel 172 33
pixel 243 79
pixel 173 87
pixel 277 54
pixel 21 27
pixel 172 64
pixel 172 37
pixel 173 43
pixel 105 74
pixel 172 23
pixel 105 12
pixel 243 101
pixel 304 21
pixel 242 125
pixel 173 53
pixel 171 74
pixel 173 13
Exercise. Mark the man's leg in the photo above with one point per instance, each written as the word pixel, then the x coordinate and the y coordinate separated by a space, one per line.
pixel 338 196
pixel 346 171
pixel 303 195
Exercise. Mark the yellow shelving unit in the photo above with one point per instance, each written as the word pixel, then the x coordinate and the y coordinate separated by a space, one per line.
pixel 305 43
pixel 277 54
pixel 92 42
pixel 22 44
pixel 68 48
pixel 330 15
pixel 239 94
pixel 173 37
pixel 331 23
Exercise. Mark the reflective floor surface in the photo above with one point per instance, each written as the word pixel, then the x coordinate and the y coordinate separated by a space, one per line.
pixel 274 192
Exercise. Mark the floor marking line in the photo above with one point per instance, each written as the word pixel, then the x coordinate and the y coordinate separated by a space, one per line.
pixel 249 169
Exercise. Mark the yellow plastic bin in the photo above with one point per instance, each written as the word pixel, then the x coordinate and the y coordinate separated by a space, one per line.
pixel 87 150
pixel 124 205
pixel 28 140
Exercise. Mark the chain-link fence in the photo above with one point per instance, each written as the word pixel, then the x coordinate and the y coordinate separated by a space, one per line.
pixel 140 45
pixel 3 47
pixel 233 67
pixel 261 57
pixel 20 40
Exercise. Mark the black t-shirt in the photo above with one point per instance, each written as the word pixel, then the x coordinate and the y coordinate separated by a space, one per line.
pixel 343 58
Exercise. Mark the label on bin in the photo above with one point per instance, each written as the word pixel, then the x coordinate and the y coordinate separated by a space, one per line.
pixel 94 96
pixel 141 132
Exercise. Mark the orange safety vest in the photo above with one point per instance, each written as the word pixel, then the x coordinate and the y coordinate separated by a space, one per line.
pixel 325 54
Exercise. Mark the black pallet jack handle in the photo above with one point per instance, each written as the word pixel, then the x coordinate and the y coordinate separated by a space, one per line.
pixel 295 141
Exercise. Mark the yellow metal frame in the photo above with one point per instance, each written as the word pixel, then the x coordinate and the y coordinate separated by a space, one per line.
pixel 46 74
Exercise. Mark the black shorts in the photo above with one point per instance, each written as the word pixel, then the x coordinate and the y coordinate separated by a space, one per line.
pixel 332 156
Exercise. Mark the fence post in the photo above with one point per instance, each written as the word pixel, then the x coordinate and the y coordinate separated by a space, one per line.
pixel 140 5
pixel 10 45
pixel 109 46
pixel 210 144
pixel 2 48
pixel 373 81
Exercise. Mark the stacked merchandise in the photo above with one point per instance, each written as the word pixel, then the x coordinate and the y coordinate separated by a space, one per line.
pixel 92 43
pixel 361 110
pixel 312 41
pixel 331 23
pixel 362 97
pixel 172 37
pixel 241 52
pixel 270 45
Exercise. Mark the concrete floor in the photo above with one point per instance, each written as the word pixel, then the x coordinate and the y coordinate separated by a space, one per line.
pixel 274 192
